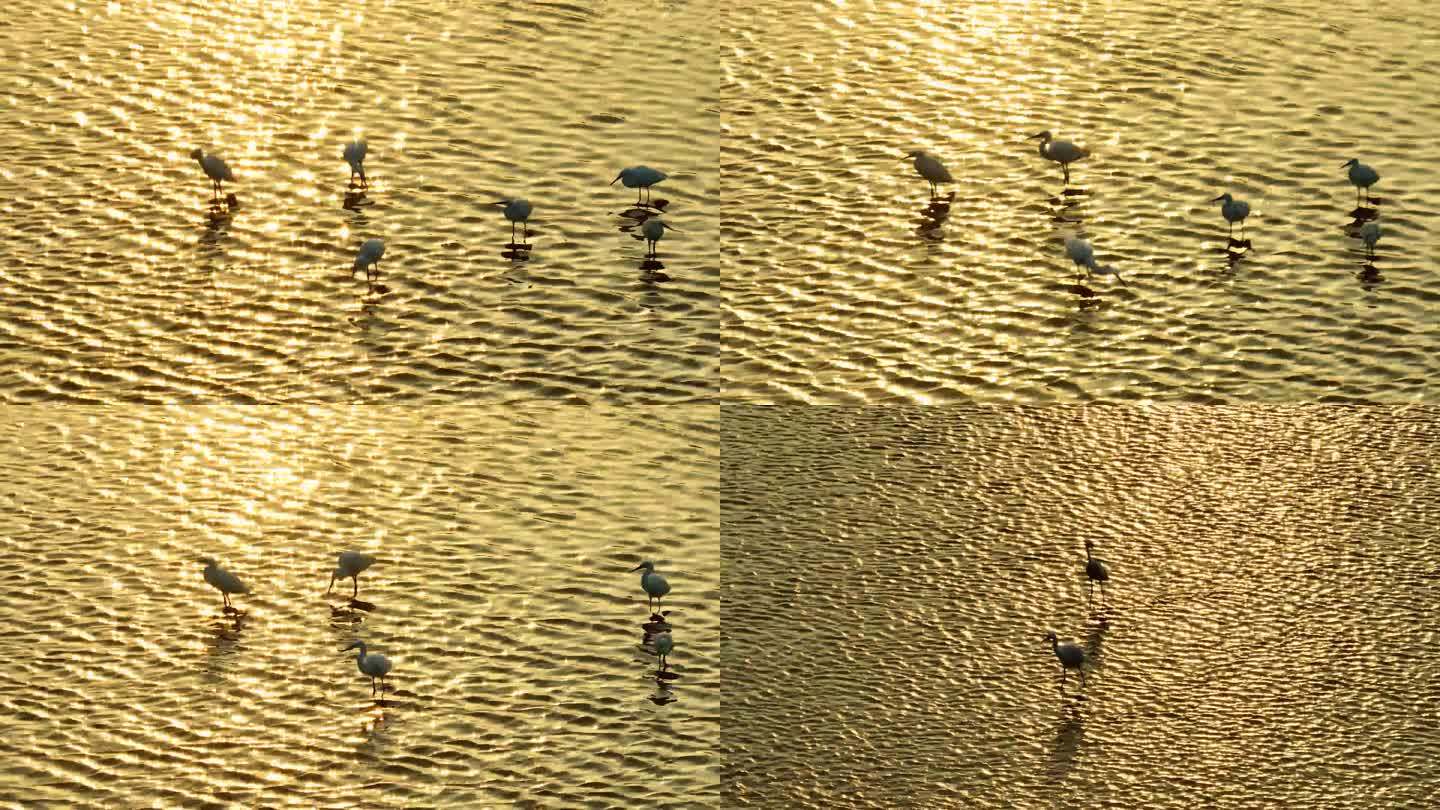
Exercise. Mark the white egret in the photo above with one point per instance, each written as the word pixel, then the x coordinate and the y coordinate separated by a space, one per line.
pixel 1362 177
pixel 1071 657
pixel 355 156
pixel 929 167
pixel 516 210
pixel 215 169
pixel 1234 211
pixel 375 665
pixel 653 229
pixel 369 256
pixel 639 177
pixel 1370 233
pixel 655 585
pixel 1080 252
pixel 1095 570
pixel 1062 152
pixel 226 582
pixel 350 564
pixel 663 645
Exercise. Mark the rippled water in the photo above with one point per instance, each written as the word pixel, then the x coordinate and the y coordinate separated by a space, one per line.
pixel 841 288
pixel 502 595
pixel 889 575
pixel 120 287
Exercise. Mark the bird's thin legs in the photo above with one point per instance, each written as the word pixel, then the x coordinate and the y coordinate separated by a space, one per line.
pixel 355 592
pixel 1066 170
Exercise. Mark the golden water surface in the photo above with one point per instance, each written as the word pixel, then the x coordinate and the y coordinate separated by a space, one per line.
pixel 502 595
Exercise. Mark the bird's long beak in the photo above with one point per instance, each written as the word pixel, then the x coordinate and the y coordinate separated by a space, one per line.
pixel 1347 163
pixel 1033 137
pixel 637 568
pixel 501 203
pixel 1218 199
pixel 617 178
pixel 667 226
pixel 332 583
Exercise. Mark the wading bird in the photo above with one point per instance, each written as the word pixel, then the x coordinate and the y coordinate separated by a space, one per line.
pixel 1370 233
pixel 663 645
pixel 1062 152
pixel 226 582
pixel 516 211
pixel 355 156
pixel 655 585
pixel 639 177
pixel 349 566
pixel 375 665
pixel 1234 211
pixel 929 167
pixel 1080 252
pixel 369 256
pixel 1362 177
pixel 1071 657
pixel 653 229
pixel 215 169
pixel 1095 569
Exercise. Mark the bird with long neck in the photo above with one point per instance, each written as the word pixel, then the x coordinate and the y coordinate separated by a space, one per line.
pixel 374 665
pixel 1095 570
pixel 1071 657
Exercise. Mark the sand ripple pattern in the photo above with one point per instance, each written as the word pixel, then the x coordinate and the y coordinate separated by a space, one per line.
pixel 502 597
pixel 838 289
pixel 890 574
pixel 118 289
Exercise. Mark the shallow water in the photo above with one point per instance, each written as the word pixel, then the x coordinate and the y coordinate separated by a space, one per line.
pixel 840 287
pixel 1269 638
pixel 502 596
pixel 120 287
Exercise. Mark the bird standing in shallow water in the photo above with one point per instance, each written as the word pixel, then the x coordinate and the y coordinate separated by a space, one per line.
pixel 375 665
pixel 350 564
pixel 655 585
pixel 653 229
pixel 1362 177
pixel 929 167
pixel 369 256
pixel 516 210
pixel 1095 570
pixel 1370 234
pixel 663 645
pixel 1081 252
pixel 226 582
pixel 1071 657
pixel 639 177
pixel 1062 152
pixel 1234 211
pixel 214 168
pixel 355 156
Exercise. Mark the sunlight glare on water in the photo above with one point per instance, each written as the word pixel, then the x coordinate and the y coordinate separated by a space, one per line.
pixel 119 286
pixel 502 594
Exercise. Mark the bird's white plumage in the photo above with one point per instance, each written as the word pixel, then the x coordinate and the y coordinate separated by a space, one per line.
pixel 1071 655
pixel 1062 152
pixel 1232 209
pixel 355 154
pixel 369 253
pixel 929 167
pixel 1080 252
pixel 1370 233
pixel 664 643
pixel 214 167
pixel 222 580
pixel 374 665
pixel 517 210
pixel 1361 176
pixel 351 563
pixel 654 584
pixel 639 177
pixel 654 229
